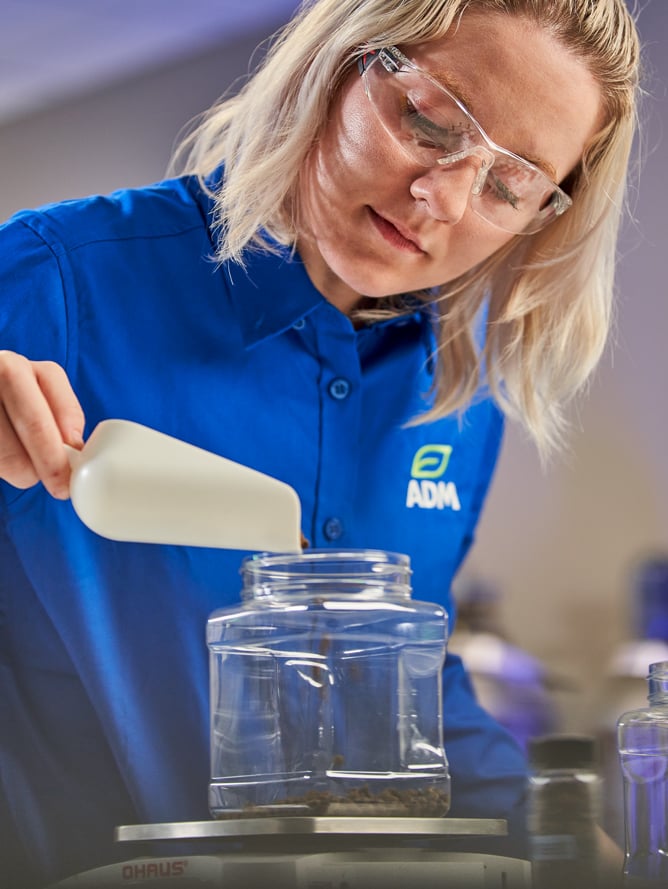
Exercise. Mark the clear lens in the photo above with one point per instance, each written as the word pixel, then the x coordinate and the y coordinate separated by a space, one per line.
pixel 434 130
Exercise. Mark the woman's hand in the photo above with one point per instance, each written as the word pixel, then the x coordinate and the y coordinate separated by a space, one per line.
pixel 38 413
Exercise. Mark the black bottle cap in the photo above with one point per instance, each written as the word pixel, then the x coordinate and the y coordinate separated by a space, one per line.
pixel 563 752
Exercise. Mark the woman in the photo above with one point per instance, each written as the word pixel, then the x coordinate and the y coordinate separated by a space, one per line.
pixel 402 228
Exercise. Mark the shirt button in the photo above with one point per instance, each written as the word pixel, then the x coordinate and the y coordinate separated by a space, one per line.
pixel 339 388
pixel 333 528
pixel 300 324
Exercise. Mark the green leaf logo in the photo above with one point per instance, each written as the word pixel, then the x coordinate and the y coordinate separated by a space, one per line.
pixel 431 461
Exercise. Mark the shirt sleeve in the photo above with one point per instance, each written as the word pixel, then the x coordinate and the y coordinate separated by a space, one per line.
pixel 34 317
pixel 488 767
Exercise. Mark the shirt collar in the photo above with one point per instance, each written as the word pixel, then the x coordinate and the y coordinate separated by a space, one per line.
pixel 271 291
pixel 265 307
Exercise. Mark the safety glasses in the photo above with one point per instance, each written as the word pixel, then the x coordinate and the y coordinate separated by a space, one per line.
pixel 435 129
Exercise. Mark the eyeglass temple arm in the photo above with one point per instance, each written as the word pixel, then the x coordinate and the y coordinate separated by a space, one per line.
pixel 389 57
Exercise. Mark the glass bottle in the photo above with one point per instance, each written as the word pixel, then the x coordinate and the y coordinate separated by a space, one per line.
pixel 642 741
pixel 564 802
pixel 325 687
pixel 625 685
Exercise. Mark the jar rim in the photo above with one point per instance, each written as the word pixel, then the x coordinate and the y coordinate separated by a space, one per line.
pixel 311 556
pixel 372 568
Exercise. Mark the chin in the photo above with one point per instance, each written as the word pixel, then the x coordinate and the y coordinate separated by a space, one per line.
pixel 350 272
pixel 381 289
pixel 376 286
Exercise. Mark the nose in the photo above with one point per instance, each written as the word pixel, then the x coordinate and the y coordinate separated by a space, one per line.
pixel 446 190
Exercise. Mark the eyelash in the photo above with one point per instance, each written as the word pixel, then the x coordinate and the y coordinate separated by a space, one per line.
pixel 423 126
pixel 420 123
pixel 502 191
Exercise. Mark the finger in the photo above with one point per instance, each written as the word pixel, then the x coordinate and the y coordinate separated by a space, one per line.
pixel 64 404
pixel 15 464
pixel 34 424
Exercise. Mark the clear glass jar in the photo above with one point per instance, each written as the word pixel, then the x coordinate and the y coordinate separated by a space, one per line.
pixel 642 742
pixel 326 690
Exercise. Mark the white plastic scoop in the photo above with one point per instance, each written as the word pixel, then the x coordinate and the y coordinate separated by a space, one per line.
pixel 133 483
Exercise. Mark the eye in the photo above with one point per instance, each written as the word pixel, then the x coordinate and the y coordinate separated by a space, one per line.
pixel 501 192
pixel 427 132
pixel 514 184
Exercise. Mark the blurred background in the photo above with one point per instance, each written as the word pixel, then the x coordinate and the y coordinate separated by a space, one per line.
pixel 564 595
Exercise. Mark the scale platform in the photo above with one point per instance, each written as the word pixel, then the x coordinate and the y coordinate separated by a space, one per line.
pixel 350 828
pixel 309 853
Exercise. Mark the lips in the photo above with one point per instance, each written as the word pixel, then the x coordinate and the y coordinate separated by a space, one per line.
pixel 395 234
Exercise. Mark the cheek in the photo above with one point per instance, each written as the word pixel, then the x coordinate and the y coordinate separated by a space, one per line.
pixel 354 144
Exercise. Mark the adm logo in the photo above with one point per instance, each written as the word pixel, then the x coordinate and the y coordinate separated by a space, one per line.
pixel 426 488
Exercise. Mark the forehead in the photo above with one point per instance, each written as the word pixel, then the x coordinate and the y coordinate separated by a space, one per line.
pixel 528 91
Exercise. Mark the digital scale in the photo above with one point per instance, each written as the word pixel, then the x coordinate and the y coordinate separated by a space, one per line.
pixel 310 853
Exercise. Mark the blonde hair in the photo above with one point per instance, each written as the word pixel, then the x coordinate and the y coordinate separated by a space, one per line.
pixel 548 296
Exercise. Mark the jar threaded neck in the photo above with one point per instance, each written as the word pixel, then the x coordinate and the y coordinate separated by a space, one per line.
pixel 373 573
pixel 658 683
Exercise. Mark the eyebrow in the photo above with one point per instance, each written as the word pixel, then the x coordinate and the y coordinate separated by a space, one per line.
pixel 458 90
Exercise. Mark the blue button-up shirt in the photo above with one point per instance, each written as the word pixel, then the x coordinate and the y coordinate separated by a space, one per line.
pixel 103 663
